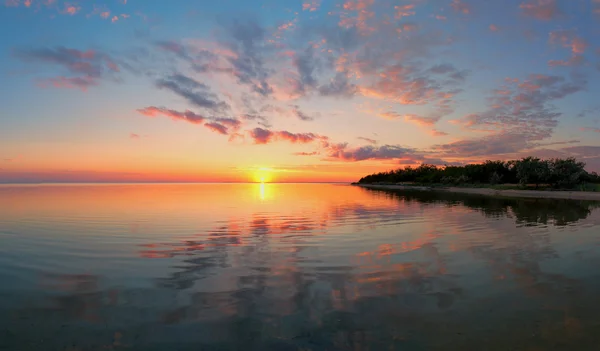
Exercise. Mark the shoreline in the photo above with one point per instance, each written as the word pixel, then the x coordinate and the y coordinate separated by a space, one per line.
pixel 537 194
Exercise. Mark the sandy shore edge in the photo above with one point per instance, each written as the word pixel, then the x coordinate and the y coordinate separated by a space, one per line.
pixel 571 195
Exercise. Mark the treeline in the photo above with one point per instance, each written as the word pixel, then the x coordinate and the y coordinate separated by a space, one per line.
pixel 557 173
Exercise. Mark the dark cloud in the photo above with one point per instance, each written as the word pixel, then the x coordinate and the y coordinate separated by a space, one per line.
pixel 193 91
pixel 370 152
pixel 339 86
pixel 299 114
pixel 307 64
pixel 368 140
pixel 247 40
pixel 261 136
pixel 262 120
pixel 217 127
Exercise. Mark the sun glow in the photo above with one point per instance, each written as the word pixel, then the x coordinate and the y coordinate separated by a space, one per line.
pixel 263 175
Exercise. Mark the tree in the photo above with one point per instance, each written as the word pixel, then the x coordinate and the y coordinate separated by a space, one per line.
pixel 566 173
pixel 532 170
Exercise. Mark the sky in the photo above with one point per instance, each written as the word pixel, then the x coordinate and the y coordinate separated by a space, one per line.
pixel 291 91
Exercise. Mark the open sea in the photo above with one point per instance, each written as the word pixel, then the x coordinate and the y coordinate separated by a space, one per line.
pixel 294 267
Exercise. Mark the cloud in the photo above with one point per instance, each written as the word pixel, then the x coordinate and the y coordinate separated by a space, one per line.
pixel 265 136
pixel 134 136
pixel 494 28
pixel 541 9
pixel 497 144
pixel 247 42
pixel 187 115
pixel 221 125
pixel 175 48
pixel 306 65
pixel 217 127
pixel 300 115
pixel 568 39
pixel 193 91
pixel 311 6
pixel 261 136
pixel 524 108
pixel 306 153
pixel 339 86
pixel 71 9
pixel 585 129
pixel 368 140
pixel 262 120
pixel 583 151
pixel 401 11
pixel 385 152
pixel 460 6
pixel 437 133
pixel 412 118
pixel 575 60
pixel 87 67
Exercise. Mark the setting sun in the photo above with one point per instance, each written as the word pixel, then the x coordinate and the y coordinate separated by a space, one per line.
pixel 263 175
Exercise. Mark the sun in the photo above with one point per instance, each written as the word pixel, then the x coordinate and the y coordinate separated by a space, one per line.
pixel 263 175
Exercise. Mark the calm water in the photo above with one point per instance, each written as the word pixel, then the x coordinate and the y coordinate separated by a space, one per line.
pixel 294 267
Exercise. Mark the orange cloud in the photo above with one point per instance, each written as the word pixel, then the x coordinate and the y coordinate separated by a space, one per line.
pixel 105 14
pixel 187 116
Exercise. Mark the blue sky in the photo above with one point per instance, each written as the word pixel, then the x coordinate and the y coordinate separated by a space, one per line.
pixel 311 90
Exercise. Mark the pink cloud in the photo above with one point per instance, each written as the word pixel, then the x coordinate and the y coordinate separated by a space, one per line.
pixel 568 39
pixel 596 130
pixel 105 14
pixel 311 6
pixel 541 9
pixel 27 3
pixel 114 19
pixel 264 136
pixel 134 136
pixel 71 10
pixel 187 115
pixel 575 60
pixel 494 28
pixel 404 10
pixel 460 6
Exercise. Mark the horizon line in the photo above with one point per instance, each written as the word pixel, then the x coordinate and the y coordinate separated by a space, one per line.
pixel 169 182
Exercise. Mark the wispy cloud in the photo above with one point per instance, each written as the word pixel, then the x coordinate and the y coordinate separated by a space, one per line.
pixel 194 92
pixel 86 67
pixel 541 9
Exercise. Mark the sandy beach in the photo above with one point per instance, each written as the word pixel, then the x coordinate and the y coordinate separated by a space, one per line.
pixel 572 195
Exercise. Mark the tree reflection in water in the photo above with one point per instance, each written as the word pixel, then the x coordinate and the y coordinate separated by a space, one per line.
pixel 276 283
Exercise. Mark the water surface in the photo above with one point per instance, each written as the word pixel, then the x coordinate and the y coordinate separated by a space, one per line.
pixel 294 267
